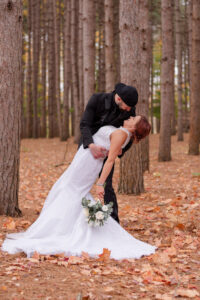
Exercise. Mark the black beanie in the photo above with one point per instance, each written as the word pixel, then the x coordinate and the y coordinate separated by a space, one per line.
pixel 127 93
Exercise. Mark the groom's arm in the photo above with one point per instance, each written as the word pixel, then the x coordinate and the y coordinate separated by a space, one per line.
pixel 87 121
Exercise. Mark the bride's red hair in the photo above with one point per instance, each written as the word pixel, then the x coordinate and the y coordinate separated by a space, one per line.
pixel 142 129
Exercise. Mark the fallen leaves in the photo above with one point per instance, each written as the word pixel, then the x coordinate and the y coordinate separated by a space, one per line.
pixel 9 224
pixel 166 216
pixel 187 293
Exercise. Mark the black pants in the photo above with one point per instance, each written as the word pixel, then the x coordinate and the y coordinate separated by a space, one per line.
pixel 110 194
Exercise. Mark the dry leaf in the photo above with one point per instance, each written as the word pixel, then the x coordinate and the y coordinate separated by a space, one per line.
pixel 187 293
pixel 75 260
pixel 9 224
pixel 105 255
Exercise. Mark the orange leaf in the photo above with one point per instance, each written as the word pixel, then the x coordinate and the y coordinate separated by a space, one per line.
pixel 75 260
pixel 180 226
pixel 9 224
pixel 105 255
pixel 85 255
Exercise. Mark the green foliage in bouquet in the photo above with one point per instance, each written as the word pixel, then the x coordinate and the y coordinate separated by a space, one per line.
pixel 96 213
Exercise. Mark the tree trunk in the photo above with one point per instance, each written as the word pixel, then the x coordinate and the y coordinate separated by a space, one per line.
pixel 133 64
pixel 145 49
pixel 173 104
pixel 101 80
pixel 167 80
pixel 23 125
pixel 10 102
pixel 179 65
pixel 109 45
pixel 29 114
pixel 88 48
pixel 56 25
pixel 74 65
pixel 189 16
pixel 66 37
pixel 36 50
pixel 194 137
pixel 116 41
pixel 80 55
pixel 44 50
pixel 51 70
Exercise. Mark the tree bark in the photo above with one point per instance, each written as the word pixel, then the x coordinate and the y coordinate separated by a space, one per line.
pixel 56 26
pixel 100 48
pixel 44 50
pixel 80 55
pixel 66 37
pixel 74 65
pixel 36 51
pixel 88 49
pixel 109 45
pixel 29 115
pixel 51 71
pixel 179 65
pixel 134 67
pixel 194 136
pixel 10 102
pixel 167 81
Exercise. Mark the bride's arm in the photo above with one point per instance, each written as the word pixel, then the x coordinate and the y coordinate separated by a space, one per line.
pixel 118 138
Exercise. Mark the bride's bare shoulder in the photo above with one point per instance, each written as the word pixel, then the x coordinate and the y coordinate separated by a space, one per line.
pixel 118 135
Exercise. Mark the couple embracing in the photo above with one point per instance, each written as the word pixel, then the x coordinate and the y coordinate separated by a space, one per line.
pixel 109 126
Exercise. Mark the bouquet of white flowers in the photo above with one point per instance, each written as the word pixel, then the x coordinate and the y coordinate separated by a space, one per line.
pixel 96 214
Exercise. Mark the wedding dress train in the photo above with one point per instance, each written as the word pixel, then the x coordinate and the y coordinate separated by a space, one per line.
pixel 61 226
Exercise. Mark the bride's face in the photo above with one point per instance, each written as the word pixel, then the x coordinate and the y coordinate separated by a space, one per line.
pixel 131 122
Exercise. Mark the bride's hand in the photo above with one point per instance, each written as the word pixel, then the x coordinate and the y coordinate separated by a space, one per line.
pixel 100 192
pixel 97 151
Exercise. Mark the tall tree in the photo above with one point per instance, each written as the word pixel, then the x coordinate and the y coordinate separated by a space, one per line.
pixel 56 26
pixel 167 80
pixel 100 46
pixel 134 22
pixel 51 72
pixel 10 102
pixel 109 45
pixel 29 105
pixel 179 65
pixel 44 58
pixel 36 51
pixel 74 65
pixel 80 54
pixel 66 69
pixel 194 137
pixel 88 48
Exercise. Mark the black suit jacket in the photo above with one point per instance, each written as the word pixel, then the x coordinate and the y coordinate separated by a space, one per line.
pixel 102 110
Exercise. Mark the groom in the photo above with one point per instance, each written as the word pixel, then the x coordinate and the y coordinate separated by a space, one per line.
pixel 107 109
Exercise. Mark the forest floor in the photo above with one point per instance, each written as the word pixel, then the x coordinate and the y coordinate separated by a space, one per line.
pixel 167 215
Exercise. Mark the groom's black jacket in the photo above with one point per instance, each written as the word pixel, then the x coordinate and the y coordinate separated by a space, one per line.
pixel 102 110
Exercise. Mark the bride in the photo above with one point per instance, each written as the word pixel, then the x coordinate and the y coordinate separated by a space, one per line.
pixel 61 226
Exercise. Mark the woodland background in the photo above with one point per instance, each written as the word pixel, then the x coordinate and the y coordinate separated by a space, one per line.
pixel 54 55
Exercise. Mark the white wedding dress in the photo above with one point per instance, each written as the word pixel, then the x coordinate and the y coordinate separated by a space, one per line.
pixel 61 226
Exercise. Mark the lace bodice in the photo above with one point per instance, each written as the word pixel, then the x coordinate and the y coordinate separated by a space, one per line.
pixel 102 136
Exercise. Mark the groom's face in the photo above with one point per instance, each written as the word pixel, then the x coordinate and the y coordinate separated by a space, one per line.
pixel 122 105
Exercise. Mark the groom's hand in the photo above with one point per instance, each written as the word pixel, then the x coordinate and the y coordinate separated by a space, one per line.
pixel 97 151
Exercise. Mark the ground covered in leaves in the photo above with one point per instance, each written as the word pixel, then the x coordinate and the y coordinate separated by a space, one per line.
pixel 167 216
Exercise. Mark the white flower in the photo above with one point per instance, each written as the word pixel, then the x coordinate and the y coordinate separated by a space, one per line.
pixel 90 204
pixel 86 212
pixel 105 208
pixel 99 215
